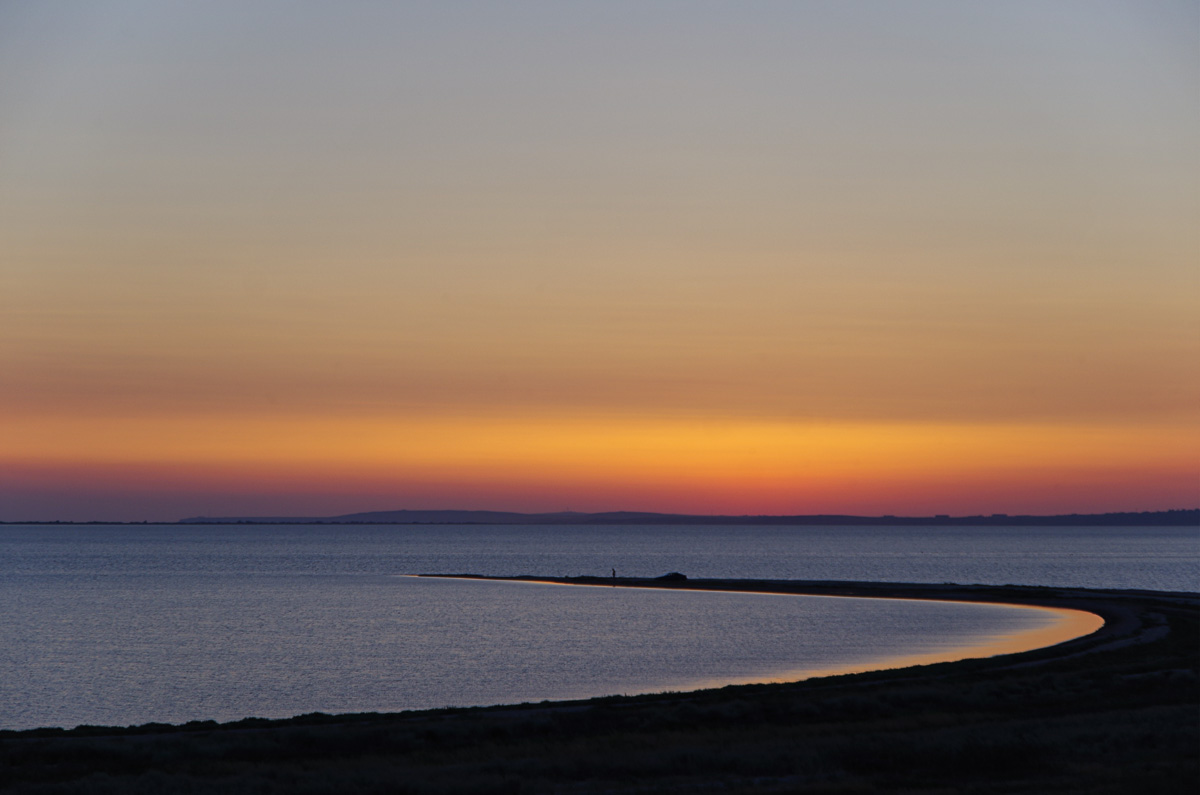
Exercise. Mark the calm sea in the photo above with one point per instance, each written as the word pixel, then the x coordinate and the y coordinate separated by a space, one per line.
pixel 117 624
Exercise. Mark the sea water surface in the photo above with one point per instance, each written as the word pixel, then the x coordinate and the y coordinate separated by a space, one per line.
pixel 126 624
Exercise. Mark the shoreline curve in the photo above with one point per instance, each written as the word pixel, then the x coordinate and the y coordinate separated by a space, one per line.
pixel 1111 712
pixel 1074 622
pixel 1124 623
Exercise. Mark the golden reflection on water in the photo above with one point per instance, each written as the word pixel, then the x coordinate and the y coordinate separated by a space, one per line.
pixel 1064 625
pixel 1059 625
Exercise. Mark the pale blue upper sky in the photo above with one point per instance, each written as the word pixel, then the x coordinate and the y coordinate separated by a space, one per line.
pixel 816 182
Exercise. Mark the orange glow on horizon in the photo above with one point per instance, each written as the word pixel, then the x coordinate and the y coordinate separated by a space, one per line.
pixel 686 466
pixel 805 257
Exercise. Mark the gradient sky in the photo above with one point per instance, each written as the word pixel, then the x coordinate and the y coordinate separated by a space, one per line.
pixel 265 257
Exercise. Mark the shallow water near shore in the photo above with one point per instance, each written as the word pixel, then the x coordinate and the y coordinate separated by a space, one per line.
pixel 119 625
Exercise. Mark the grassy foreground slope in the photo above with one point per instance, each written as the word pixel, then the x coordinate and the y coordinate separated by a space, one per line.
pixel 1116 712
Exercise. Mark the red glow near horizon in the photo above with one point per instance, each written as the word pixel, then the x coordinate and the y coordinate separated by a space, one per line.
pixel 167 493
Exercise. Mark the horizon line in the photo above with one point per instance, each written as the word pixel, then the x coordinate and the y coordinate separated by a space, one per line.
pixel 1173 516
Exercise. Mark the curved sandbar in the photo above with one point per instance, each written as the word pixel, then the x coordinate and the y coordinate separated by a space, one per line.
pixel 1087 623
pixel 1109 713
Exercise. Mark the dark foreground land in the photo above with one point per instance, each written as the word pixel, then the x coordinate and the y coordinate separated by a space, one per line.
pixel 1115 712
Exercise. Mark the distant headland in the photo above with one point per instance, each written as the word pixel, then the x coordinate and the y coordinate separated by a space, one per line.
pixel 1180 518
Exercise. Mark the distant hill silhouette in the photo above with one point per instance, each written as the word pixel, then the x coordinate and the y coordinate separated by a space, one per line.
pixel 1183 518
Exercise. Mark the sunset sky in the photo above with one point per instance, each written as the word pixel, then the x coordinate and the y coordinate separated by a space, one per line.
pixel 264 257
